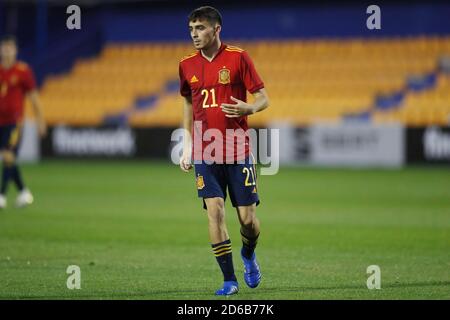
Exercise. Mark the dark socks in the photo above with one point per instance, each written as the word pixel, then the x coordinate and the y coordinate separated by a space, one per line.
pixel 11 173
pixel 248 245
pixel 224 258
pixel 16 176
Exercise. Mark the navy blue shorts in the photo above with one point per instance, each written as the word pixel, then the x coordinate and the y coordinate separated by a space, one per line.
pixel 10 136
pixel 213 180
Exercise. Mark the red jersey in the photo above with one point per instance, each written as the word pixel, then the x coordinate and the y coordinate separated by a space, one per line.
pixel 15 82
pixel 230 73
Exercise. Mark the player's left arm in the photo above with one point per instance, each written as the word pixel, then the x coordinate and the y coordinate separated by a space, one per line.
pixel 33 95
pixel 241 108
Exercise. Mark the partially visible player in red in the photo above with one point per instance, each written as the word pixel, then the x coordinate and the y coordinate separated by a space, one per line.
pixel 214 82
pixel 16 82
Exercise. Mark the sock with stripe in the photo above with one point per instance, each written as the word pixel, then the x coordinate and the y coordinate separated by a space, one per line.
pixel 224 258
pixel 248 245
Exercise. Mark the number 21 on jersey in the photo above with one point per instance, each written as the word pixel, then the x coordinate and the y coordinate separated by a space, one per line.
pixel 207 94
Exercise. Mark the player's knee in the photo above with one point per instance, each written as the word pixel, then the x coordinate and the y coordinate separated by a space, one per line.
pixel 248 217
pixel 250 223
pixel 215 204
pixel 8 158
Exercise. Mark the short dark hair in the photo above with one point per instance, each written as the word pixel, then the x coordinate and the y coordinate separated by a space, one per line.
pixel 212 15
pixel 7 38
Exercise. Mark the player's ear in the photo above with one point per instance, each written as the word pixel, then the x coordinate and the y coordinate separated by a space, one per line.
pixel 217 28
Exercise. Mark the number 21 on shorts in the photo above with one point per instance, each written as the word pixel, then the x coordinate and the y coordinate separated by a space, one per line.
pixel 248 172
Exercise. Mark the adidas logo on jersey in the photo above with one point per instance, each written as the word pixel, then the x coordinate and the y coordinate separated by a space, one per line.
pixel 194 79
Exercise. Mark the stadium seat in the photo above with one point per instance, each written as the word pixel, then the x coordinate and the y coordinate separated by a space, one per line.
pixel 307 81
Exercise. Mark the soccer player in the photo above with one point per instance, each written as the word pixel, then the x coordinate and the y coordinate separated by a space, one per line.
pixel 214 82
pixel 16 82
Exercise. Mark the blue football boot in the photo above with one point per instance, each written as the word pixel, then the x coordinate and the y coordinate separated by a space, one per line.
pixel 229 288
pixel 252 274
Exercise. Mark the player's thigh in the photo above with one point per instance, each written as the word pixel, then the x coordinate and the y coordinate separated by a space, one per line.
pixel 210 181
pixel 242 184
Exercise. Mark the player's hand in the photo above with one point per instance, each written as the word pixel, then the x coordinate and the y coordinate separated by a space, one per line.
pixel 239 109
pixel 185 162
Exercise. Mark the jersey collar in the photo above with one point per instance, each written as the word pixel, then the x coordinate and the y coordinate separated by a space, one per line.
pixel 222 47
pixel 10 67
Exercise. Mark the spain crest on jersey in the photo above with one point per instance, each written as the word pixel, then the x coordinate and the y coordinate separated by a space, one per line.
pixel 224 76
pixel 200 182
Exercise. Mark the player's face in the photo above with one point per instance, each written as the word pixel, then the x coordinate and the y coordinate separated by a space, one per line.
pixel 202 33
pixel 8 50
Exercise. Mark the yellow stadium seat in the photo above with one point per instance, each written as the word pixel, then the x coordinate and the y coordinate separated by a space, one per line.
pixel 307 81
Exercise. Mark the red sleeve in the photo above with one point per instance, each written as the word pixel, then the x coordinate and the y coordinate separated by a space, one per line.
pixel 249 76
pixel 28 81
pixel 185 89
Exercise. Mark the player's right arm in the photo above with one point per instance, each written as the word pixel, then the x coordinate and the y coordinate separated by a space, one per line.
pixel 185 91
pixel 29 85
pixel 185 161
pixel 37 108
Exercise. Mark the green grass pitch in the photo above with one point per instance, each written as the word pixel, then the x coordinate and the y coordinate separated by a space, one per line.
pixel 137 231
